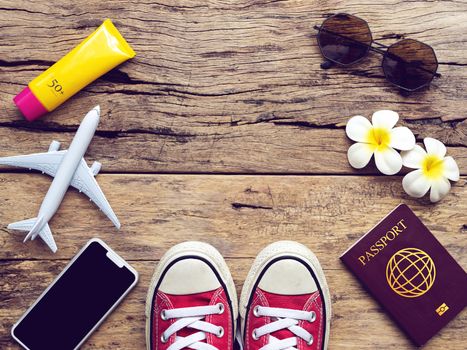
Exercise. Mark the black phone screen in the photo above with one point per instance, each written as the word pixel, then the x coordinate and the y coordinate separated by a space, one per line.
pixel 76 302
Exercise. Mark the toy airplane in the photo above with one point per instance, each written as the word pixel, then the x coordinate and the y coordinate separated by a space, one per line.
pixel 68 167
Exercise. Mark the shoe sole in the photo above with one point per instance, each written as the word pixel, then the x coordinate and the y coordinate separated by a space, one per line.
pixel 276 250
pixel 205 251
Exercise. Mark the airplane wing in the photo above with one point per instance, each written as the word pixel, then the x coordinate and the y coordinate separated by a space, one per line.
pixel 84 181
pixel 47 163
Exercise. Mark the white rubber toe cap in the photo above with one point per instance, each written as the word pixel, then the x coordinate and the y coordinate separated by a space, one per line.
pixel 288 277
pixel 189 276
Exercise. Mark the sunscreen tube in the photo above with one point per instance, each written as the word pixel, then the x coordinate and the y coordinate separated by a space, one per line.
pixel 94 56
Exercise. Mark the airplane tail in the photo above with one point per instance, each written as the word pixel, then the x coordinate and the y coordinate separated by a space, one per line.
pixel 35 226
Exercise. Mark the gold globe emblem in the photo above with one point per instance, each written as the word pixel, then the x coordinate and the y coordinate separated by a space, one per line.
pixel 410 272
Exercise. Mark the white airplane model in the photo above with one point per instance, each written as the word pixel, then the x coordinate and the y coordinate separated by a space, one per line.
pixel 68 167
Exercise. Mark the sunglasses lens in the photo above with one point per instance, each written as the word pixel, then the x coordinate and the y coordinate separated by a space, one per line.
pixel 410 64
pixel 344 38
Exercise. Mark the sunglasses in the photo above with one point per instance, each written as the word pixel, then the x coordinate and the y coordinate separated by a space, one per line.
pixel 346 39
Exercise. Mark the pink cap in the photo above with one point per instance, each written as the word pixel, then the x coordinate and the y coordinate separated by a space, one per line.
pixel 29 105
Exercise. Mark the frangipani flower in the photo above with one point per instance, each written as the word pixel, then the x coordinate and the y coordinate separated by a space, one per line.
pixel 434 170
pixel 379 138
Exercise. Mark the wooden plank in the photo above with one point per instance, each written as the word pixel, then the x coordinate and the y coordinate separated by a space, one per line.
pixel 231 87
pixel 238 214
pixel 357 319
pixel 226 87
pixel 309 150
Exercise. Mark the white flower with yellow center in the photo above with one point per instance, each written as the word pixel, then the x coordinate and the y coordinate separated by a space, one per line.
pixel 379 138
pixel 434 170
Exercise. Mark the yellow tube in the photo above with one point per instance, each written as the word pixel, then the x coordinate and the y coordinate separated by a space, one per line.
pixel 94 56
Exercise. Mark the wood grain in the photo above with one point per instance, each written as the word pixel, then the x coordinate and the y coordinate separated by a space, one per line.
pixel 226 87
pixel 357 320
pixel 309 151
pixel 221 87
pixel 238 214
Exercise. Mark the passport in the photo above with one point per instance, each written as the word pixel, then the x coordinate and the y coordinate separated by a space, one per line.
pixel 414 278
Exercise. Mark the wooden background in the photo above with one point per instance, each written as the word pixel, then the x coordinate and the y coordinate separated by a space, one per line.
pixel 225 129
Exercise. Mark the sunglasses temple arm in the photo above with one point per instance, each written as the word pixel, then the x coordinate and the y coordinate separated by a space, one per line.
pixel 381 45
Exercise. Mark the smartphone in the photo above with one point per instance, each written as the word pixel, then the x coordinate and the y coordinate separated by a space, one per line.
pixel 94 282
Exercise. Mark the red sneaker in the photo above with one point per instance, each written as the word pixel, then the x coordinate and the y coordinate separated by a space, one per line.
pixel 285 301
pixel 191 302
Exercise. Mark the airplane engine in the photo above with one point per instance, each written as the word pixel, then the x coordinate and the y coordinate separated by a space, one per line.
pixel 54 146
pixel 95 168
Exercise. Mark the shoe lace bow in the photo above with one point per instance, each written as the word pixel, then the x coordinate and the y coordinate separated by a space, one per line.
pixel 283 319
pixel 192 318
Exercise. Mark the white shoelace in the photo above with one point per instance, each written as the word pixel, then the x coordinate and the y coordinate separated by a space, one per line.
pixel 192 317
pixel 283 319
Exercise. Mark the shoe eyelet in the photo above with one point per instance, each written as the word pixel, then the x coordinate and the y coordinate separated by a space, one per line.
pixel 221 308
pixel 163 339
pixel 312 317
pixel 254 335
pixel 256 311
pixel 220 334
pixel 163 315
pixel 309 342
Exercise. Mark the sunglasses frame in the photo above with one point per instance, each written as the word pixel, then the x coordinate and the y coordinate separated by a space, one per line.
pixel 380 49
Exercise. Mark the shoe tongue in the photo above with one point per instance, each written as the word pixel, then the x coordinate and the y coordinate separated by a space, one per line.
pixel 293 302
